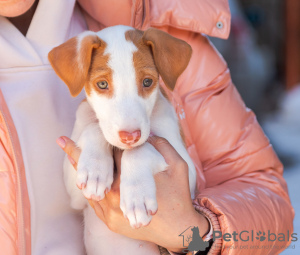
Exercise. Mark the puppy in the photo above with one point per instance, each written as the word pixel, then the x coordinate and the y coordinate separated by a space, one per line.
pixel 119 68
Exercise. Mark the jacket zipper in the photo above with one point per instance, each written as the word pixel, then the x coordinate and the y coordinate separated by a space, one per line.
pixel 21 229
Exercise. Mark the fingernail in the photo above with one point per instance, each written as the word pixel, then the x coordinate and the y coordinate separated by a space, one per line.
pixel 61 142
pixel 151 134
pixel 72 161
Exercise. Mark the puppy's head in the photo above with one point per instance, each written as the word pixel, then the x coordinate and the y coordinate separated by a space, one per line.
pixel 119 69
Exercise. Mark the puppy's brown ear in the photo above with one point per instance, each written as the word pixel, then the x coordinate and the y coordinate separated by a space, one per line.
pixel 171 55
pixel 71 60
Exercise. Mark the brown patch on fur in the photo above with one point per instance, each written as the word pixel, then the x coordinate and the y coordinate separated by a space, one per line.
pixel 171 55
pixel 99 71
pixel 143 63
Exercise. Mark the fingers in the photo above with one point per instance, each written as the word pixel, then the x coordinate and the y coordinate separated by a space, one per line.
pixel 166 150
pixel 70 148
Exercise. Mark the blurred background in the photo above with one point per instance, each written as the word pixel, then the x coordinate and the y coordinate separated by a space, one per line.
pixel 263 54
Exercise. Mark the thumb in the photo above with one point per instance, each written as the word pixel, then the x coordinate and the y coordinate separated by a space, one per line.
pixel 162 145
pixel 70 148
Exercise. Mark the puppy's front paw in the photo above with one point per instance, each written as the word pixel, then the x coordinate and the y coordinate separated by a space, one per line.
pixel 138 201
pixel 94 177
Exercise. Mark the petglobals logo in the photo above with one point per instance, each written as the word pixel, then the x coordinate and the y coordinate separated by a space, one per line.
pixel 252 235
pixel 192 240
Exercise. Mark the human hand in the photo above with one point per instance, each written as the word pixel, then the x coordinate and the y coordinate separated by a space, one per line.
pixel 175 210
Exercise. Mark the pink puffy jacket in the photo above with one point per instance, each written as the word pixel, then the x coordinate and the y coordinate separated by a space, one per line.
pixel 240 183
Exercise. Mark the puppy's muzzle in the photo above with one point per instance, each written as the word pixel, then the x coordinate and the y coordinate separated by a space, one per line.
pixel 130 138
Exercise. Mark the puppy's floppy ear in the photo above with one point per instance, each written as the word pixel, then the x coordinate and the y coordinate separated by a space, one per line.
pixel 71 60
pixel 171 55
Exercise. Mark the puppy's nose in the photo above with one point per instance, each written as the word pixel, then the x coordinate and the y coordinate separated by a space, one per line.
pixel 130 137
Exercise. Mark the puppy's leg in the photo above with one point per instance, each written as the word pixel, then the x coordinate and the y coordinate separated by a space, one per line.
pixel 95 166
pixel 137 187
pixel 84 116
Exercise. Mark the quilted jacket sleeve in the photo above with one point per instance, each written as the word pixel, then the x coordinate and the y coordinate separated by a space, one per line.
pixel 245 189
pixel 242 188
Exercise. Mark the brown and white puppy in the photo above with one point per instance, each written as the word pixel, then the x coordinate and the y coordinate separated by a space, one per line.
pixel 119 68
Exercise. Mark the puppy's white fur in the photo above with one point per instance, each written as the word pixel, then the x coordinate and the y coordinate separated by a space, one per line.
pixel 98 122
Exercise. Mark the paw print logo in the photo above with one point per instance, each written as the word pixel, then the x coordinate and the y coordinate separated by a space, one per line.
pixel 261 236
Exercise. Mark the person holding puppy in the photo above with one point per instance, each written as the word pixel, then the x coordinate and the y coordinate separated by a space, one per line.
pixel 239 177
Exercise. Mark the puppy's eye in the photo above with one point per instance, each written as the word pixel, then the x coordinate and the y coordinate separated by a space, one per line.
pixel 147 82
pixel 102 84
